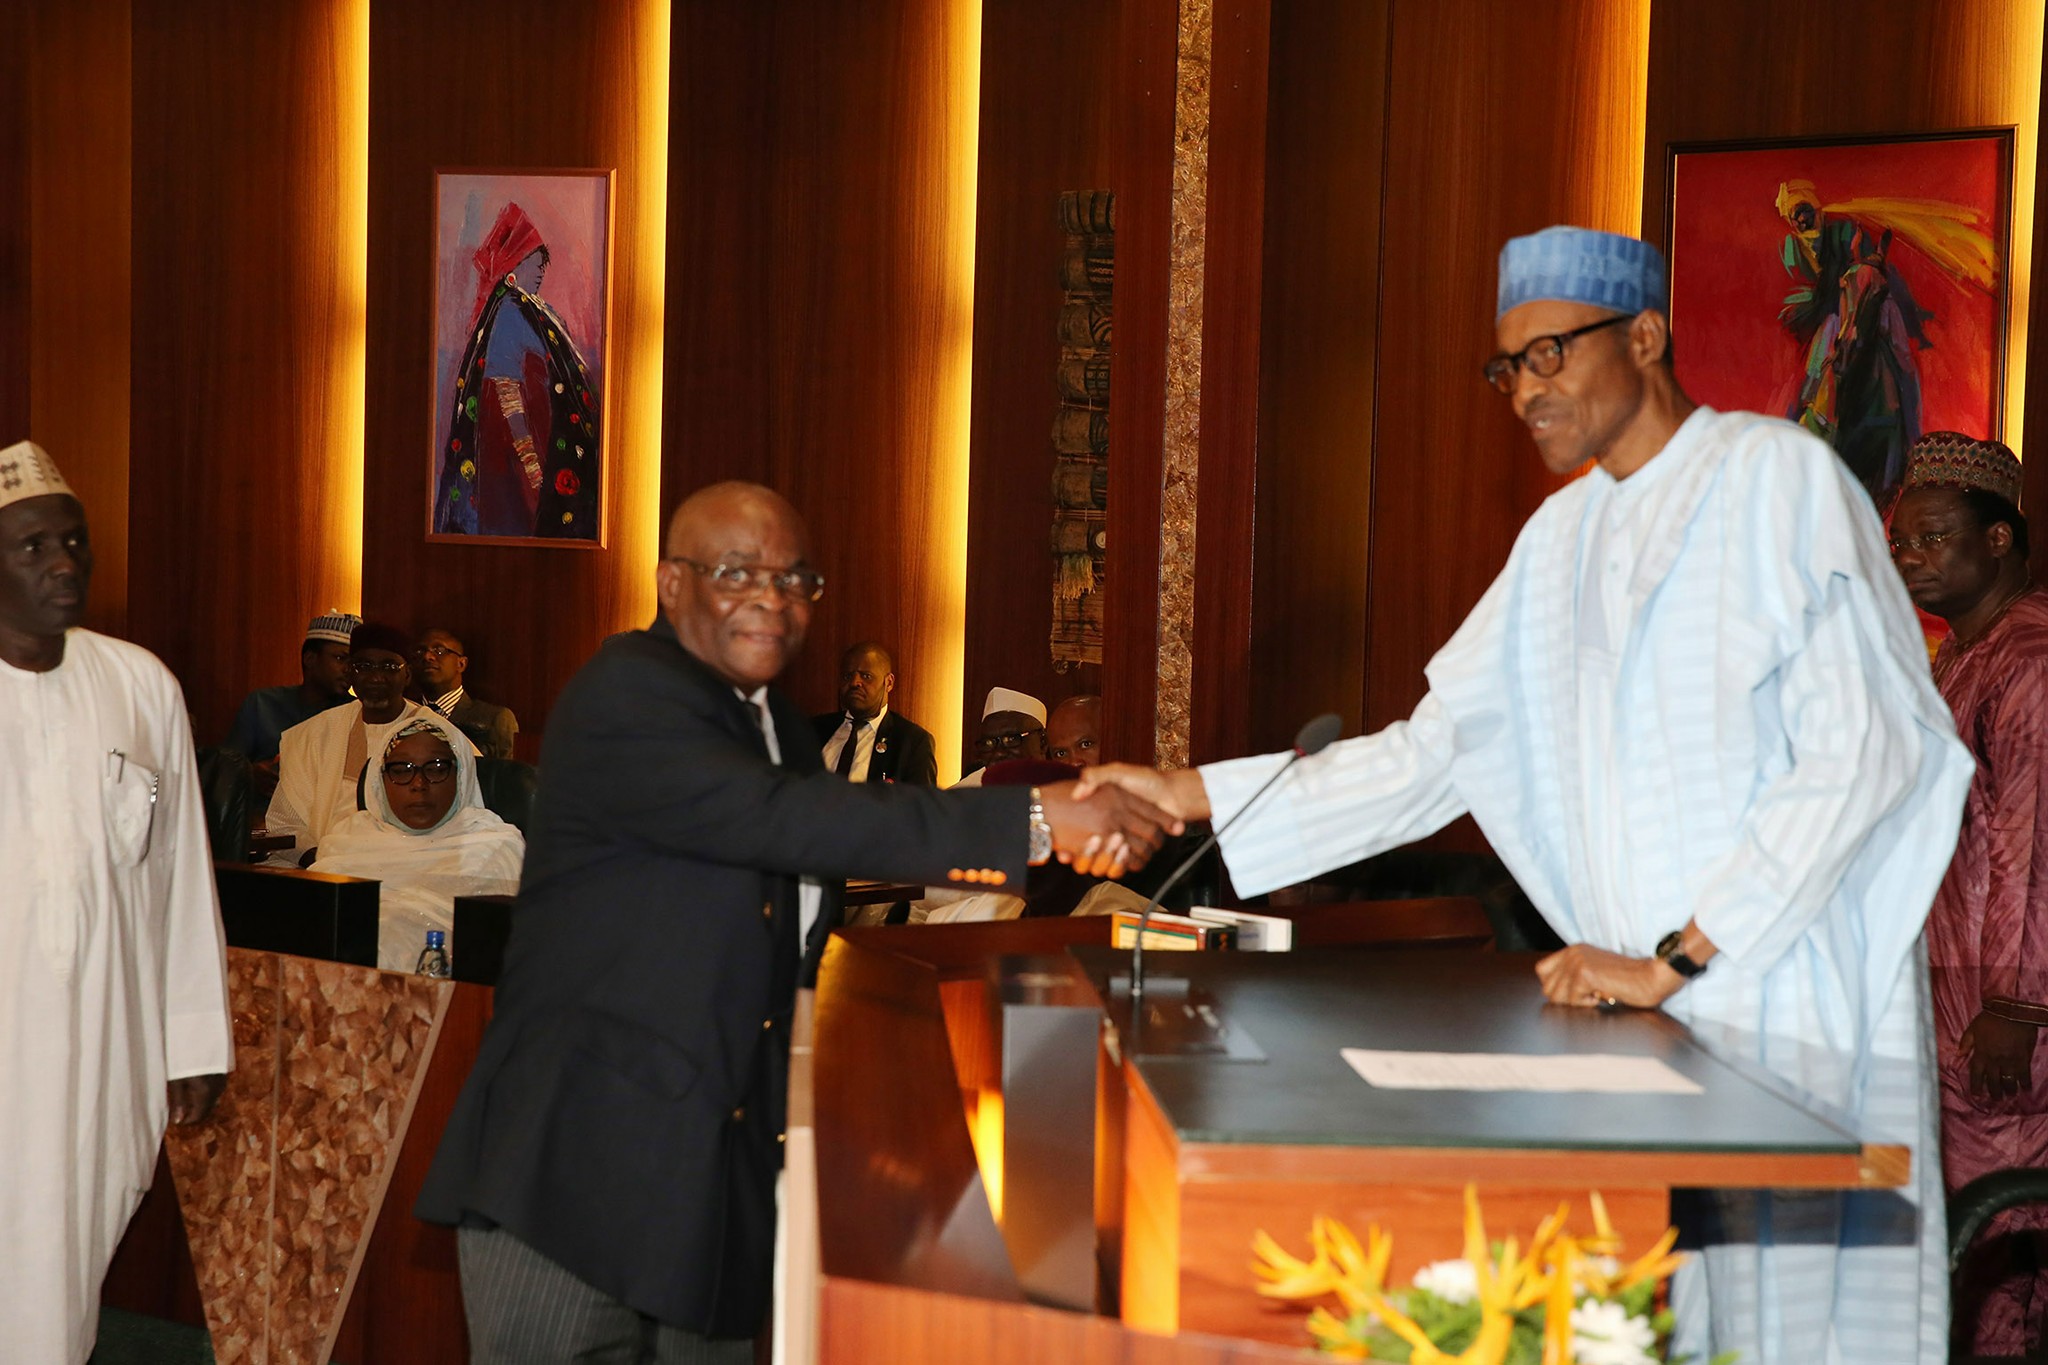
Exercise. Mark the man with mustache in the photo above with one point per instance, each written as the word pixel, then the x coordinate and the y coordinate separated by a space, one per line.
pixel 1961 546
pixel 612 1163
pixel 1693 716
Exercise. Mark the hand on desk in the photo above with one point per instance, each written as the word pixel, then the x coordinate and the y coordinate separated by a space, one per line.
pixel 1106 832
pixel 1180 793
pixel 1589 977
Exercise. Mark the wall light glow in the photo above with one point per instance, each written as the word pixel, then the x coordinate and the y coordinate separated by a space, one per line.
pixel 338 568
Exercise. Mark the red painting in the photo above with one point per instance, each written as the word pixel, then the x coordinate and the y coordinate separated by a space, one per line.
pixel 1858 288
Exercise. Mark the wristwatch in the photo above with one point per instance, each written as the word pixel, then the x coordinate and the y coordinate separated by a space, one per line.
pixel 1671 952
pixel 1041 832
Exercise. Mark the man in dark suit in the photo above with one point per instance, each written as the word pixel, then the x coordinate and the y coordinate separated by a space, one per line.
pixel 442 662
pixel 866 741
pixel 612 1160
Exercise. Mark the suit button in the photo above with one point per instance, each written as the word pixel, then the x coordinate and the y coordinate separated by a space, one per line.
pixel 955 874
pixel 767 909
pixel 767 1024
pixel 998 877
pixel 739 1113
pixel 782 1137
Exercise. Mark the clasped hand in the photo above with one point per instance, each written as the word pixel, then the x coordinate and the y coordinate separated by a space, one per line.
pixel 1115 817
pixel 1585 976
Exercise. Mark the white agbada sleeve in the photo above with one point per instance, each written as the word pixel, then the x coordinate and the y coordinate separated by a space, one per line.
pixel 1356 798
pixel 197 1038
pixel 1854 758
pixel 297 788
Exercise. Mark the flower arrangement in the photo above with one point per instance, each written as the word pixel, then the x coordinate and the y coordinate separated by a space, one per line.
pixel 1566 1300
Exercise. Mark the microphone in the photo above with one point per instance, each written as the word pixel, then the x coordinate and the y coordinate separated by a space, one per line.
pixel 1312 738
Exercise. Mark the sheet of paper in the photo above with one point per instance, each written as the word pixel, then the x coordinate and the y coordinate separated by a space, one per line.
pixel 1604 1073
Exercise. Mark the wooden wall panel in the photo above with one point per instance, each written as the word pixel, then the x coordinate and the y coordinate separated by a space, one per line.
pixel 1467 167
pixel 80 207
pixel 15 66
pixel 1146 49
pixel 1047 80
pixel 513 83
pixel 243 317
pixel 1232 295
pixel 820 335
pixel 1906 66
pixel 1317 355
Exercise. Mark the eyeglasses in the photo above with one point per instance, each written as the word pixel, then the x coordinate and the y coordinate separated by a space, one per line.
pixel 365 667
pixel 1542 357
pixel 739 580
pixel 434 653
pixel 1007 739
pixel 435 770
pixel 1922 544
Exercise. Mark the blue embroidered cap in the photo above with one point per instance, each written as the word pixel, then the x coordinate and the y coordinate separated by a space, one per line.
pixel 1579 265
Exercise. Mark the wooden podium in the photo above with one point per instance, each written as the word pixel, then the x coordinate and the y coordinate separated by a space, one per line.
pixel 1215 1148
pixel 1193 1153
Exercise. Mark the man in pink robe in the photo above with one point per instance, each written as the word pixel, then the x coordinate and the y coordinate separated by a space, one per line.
pixel 1961 545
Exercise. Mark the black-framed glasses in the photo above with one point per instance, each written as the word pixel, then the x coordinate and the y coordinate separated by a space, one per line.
pixel 435 770
pixel 738 580
pixel 1542 357
pixel 1922 544
pixel 437 652
pixel 366 667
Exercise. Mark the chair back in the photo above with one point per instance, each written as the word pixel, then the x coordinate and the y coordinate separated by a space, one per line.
pixel 227 791
pixel 507 786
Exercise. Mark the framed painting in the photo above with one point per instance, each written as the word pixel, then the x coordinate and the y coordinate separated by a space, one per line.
pixel 522 312
pixel 1855 286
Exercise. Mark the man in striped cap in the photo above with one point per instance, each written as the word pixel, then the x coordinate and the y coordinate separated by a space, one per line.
pixel 1961 546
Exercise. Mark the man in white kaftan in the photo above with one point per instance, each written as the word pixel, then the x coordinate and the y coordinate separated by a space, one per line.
pixel 1694 717
pixel 113 994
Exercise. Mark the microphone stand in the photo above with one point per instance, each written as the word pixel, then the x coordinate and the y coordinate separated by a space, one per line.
pixel 1313 739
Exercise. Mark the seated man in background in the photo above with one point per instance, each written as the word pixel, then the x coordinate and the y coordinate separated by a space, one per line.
pixel 1012 726
pixel 866 741
pixel 321 760
pixel 1073 732
pixel 442 662
pixel 427 836
pixel 1960 544
pixel 268 712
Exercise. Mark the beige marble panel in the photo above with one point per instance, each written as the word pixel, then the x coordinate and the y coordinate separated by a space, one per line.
pixel 281 1189
pixel 1181 457
pixel 224 1172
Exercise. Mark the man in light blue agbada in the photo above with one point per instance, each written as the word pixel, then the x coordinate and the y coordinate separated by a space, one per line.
pixel 1694 717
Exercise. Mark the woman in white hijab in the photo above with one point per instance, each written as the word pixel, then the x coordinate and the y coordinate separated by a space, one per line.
pixel 427 836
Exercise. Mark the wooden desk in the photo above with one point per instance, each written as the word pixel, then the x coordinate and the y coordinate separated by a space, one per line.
pixel 1214 1149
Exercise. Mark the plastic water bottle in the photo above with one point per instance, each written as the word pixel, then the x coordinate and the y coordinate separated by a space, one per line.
pixel 434 957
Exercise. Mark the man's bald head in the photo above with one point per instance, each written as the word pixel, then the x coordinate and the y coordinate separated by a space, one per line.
pixel 1073 732
pixel 718 510
pixel 737 623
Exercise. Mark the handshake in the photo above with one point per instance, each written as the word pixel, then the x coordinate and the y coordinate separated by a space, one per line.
pixel 1115 817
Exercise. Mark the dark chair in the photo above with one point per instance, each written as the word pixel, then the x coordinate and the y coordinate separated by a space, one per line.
pixel 1973 1206
pixel 1428 874
pixel 228 792
pixel 507 786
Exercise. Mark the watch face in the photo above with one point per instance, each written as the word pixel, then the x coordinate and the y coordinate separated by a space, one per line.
pixel 1041 843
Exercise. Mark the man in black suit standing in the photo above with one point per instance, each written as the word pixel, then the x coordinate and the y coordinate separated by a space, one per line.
pixel 612 1161
pixel 443 661
pixel 866 741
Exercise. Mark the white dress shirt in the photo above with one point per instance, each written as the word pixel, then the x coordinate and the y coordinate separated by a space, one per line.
pixel 810 895
pixel 863 753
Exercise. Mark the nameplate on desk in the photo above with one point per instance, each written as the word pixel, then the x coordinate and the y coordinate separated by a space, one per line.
pixel 1591 1073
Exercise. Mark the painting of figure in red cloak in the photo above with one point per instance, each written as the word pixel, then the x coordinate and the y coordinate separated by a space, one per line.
pixel 520 310
pixel 1856 288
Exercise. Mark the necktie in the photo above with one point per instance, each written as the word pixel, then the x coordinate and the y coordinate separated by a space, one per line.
pixel 845 765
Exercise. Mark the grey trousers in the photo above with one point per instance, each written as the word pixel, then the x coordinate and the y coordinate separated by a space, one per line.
pixel 523 1309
